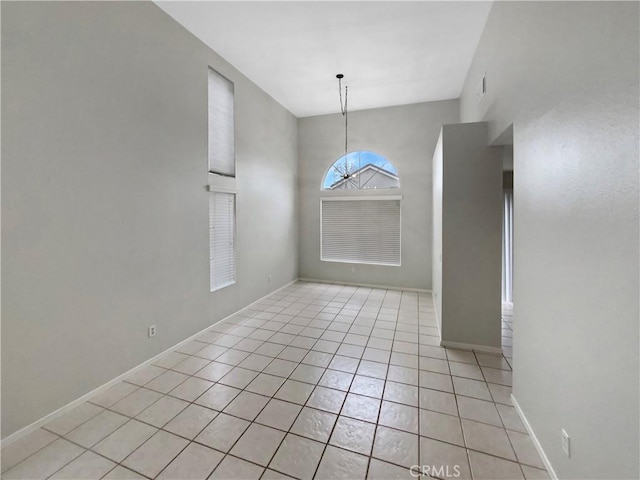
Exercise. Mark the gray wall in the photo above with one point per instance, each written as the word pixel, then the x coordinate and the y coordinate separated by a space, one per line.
pixel 468 231
pixel 104 206
pixel 406 136
pixel 566 76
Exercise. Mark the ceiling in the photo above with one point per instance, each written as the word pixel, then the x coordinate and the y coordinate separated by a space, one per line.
pixel 391 53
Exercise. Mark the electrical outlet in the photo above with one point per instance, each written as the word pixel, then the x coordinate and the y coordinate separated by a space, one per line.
pixel 566 443
pixel 152 331
pixel 268 278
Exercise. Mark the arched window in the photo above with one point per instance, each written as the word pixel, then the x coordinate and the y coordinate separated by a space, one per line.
pixel 361 170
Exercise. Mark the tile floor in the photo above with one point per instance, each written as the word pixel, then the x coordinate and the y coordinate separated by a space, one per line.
pixel 315 381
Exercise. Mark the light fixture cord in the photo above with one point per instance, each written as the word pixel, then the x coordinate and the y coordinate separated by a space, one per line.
pixel 345 114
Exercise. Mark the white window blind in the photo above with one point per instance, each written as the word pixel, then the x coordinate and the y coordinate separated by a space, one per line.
pixel 361 230
pixel 221 125
pixel 222 239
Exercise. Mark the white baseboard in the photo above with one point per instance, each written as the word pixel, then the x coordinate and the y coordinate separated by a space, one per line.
pixel 534 439
pixel 470 346
pixel 69 406
pixel 366 285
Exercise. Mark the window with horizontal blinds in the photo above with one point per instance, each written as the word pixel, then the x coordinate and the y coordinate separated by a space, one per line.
pixel 221 125
pixel 361 230
pixel 222 239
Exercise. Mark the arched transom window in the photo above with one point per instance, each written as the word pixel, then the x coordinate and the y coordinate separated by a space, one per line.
pixel 361 170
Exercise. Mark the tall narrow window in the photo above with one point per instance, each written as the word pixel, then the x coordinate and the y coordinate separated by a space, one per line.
pixel 222 239
pixel 221 126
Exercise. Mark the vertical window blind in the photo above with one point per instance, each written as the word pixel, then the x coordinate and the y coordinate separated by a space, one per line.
pixel 221 125
pixel 361 230
pixel 222 239
pixel 507 248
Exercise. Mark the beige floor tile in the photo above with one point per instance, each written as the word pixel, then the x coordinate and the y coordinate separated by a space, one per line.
pixel 258 444
pixel 478 410
pixel 441 427
pixel 191 389
pixel 222 432
pixel 487 439
pixel 354 435
pixel 445 457
pixel 214 371
pixel 280 368
pixel 136 402
pixel 170 360
pixel 279 414
pixel 88 465
pixel 403 375
pixel 326 399
pixel 145 375
pixel 113 394
pixel 401 417
pixel 466 370
pixel 194 463
pixel 125 440
pixel 436 381
pixel 20 449
pixel 265 384
pixel 495 375
pixel 531 473
pixel 471 388
pixel 510 418
pixel 486 467
pixel 298 457
pixel 401 393
pixel 191 421
pixel 314 424
pixel 438 401
pixel 166 382
pixel 238 378
pixel 121 473
pixel 45 461
pixel 500 393
pixel 232 468
pixel 361 407
pixel 368 386
pixel 246 405
pixel 307 374
pixel 218 397
pixel 155 454
pixel 344 364
pixel 94 430
pixel 336 379
pixel 379 470
pixel 161 412
pixel 434 365
pixel 492 361
pixel 273 475
pixel 294 391
pixel 461 356
pixel 318 359
pixel 70 420
pixel 191 365
pixel 525 450
pixel 255 362
pixel 341 464
pixel 396 447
